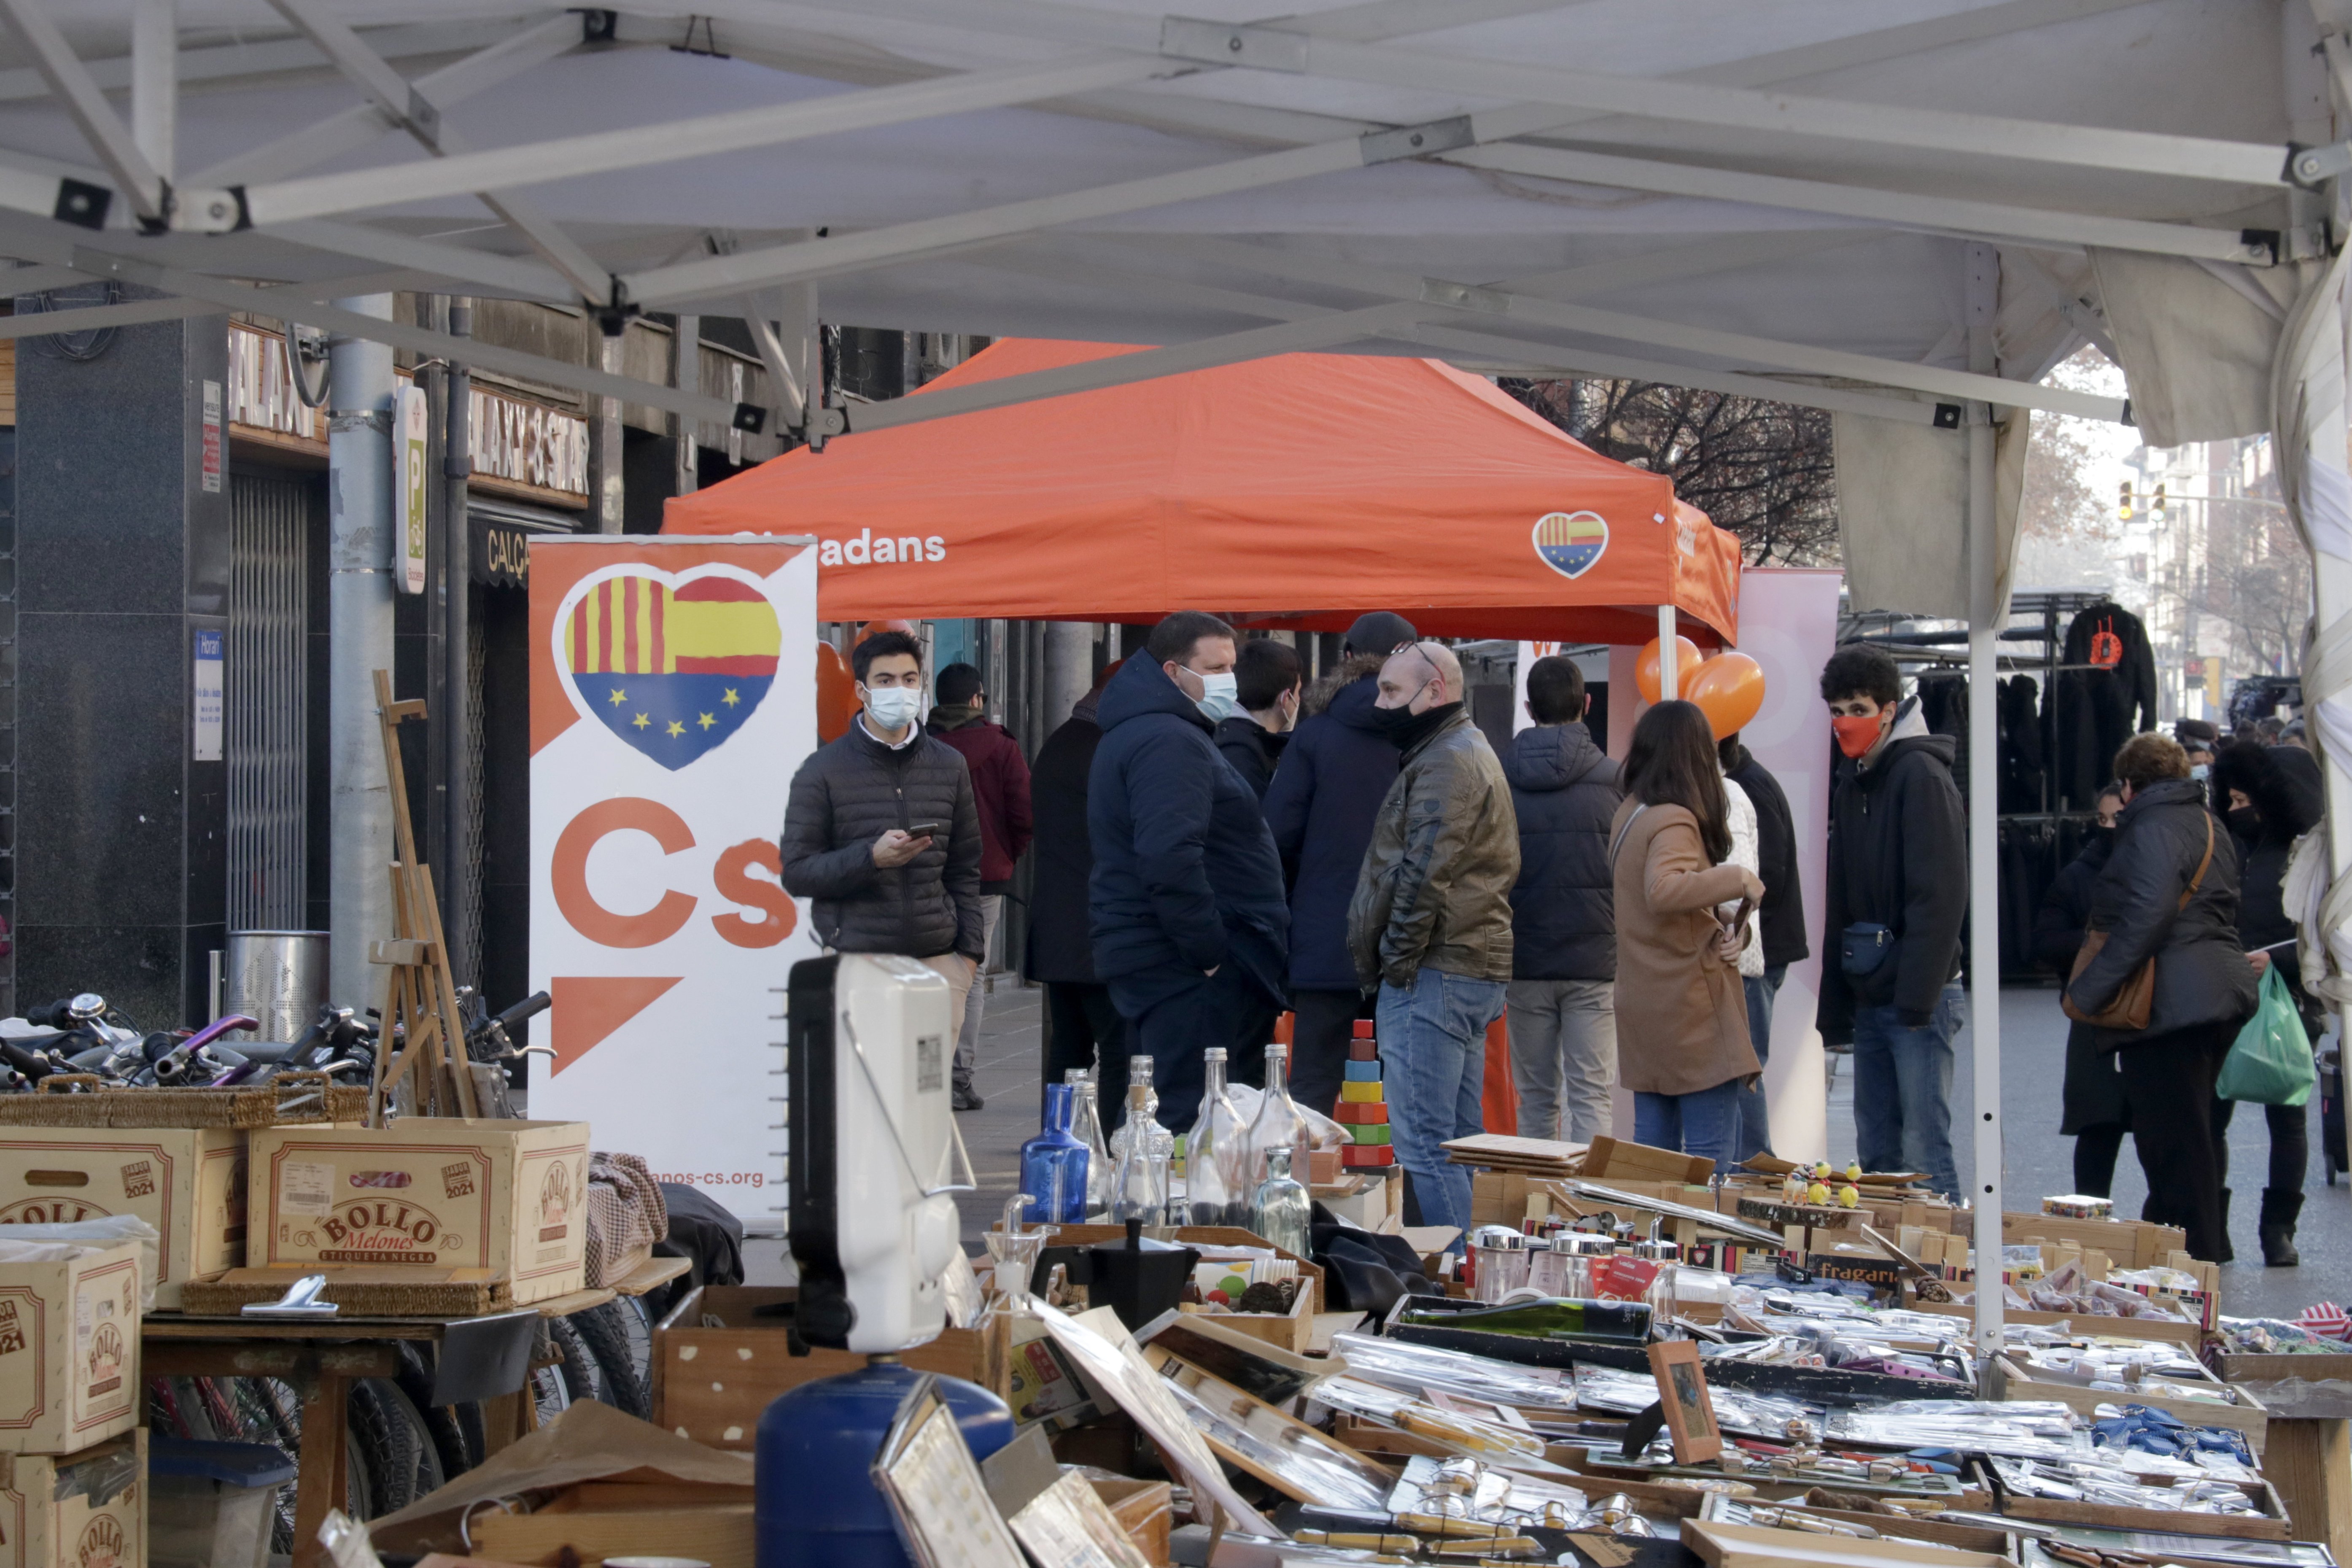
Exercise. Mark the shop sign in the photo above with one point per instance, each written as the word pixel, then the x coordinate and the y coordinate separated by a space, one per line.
pixel 410 418
pixel 530 444
pixel 500 556
pixel 673 695
pixel 206 718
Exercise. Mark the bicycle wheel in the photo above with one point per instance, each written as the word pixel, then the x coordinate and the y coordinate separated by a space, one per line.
pixel 573 1377
pixel 414 1459
pixel 604 1333
pixel 442 1421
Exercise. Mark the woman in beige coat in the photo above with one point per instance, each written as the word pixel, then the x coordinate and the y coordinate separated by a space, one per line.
pixel 1681 1014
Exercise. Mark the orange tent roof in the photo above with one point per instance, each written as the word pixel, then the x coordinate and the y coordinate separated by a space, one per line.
pixel 1292 492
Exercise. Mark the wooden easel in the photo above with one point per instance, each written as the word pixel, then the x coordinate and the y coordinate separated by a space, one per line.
pixel 420 996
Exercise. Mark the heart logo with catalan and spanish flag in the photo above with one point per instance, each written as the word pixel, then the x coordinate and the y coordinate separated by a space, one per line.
pixel 1571 541
pixel 672 665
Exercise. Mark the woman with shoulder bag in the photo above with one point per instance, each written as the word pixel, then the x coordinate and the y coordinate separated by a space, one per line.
pixel 2163 982
pixel 1682 1014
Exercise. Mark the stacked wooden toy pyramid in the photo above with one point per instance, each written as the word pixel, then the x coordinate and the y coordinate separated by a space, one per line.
pixel 1362 1110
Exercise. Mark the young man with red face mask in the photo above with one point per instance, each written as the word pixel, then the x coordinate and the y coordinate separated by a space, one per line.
pixel 1899 892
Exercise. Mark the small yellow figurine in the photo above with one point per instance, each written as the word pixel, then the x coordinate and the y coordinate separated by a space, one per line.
pixel 1822 1172
pixel 1849 1197
pixel 1854 1172
pixel 1817 1194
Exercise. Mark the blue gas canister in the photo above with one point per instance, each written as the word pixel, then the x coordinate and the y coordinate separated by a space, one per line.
pixel 816 1504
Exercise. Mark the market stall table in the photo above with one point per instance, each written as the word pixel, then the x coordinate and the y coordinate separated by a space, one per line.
pixel 319 1357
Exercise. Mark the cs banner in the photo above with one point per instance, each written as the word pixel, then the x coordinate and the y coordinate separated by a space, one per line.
pixel 673 696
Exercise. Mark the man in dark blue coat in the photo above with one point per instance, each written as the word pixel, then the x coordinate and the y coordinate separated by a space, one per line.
pixel 1334 773
pixel 1191 933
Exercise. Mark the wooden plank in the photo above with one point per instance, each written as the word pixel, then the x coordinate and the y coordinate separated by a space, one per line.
pixel 321 1479
pixel 502 1418
pixel 575 1301
pixel 720 1536
pixel 253 1358
pixel 1749 1546
pixel 652 1274
pixel 2310 1464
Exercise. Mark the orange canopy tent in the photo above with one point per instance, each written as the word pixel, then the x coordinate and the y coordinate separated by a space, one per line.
pixel 1295 492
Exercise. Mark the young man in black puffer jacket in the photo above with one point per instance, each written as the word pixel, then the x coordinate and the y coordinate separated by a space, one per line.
pixel 877 887
pixel 1562 1001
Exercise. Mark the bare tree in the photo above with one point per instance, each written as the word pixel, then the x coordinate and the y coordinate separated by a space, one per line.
pixel 1765 471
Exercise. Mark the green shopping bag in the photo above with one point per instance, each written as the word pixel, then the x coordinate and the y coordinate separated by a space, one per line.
pixel 2270 1063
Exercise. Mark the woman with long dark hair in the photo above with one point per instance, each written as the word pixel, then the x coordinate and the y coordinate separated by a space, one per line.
pixel 1681 1014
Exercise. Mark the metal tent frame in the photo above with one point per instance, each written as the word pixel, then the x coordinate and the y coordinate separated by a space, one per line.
pixel 1893 218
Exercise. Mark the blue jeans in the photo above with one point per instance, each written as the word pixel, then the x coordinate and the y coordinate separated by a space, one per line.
pixel 1705 1123
pixel 1903 1090
pixel 1755 1122
pixel 1433 1061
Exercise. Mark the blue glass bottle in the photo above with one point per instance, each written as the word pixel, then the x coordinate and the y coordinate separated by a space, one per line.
pixel 1054 1166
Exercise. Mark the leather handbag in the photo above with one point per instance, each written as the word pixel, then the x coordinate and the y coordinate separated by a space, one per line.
pixel 2136 999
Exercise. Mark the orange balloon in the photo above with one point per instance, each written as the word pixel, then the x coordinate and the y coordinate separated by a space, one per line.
pixel 1729 689
pixel 1646 669
pixel 836 693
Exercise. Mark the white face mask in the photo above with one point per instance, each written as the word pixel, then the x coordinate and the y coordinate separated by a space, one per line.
pixel 2200 771
pixel 1218 698
pixel 892 707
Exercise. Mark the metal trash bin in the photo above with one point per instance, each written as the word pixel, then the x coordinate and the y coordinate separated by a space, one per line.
pixel 277 976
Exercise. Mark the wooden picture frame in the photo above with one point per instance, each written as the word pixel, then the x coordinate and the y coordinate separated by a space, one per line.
pixel 1690 1413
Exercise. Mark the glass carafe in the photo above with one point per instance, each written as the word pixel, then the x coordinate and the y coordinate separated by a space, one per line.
pixel 1054 1165
pixel 1278 1125
pixel 1140 1191
pixel 1086 1126
pixel 1214 1151
pixel 1279 1211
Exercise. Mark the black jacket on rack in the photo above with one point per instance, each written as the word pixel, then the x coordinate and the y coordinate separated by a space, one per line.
pixel 2021 760
pixel 2100 708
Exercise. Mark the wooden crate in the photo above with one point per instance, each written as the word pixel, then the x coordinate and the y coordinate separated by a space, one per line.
pixel 712 1381
pixel 2128 1243
pixel 1617 1160
pixel 2248 1415
pixel 2272 1524
pixel 569 1530
pixel 2173 1334
pixel 1145 1510
pixel 1749 1546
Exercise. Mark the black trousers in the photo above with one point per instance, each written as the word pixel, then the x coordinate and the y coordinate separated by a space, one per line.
pixel 2290 1128
pixel 2168 1090
pixel 1322 1024
pixel 1082 1025
pixel 2096 1149
pixel 1228 1009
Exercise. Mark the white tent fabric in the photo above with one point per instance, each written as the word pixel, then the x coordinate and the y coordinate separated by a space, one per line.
pixel 1903 213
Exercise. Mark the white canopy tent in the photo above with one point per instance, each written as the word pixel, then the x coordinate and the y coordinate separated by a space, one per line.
pixel 1905 214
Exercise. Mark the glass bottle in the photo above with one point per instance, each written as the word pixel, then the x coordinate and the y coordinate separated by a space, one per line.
pixel 1278 1210
pixel 1054 1165
pixel 1278 1125
pixel 1140 1192
pixel 1086 1126
pixel 1213 1151
pixel 1138 1071
pixel 1618 1322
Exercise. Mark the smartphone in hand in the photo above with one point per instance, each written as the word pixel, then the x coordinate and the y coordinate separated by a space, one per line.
pixel 925 829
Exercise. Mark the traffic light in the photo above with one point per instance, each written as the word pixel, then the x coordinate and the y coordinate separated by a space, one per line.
pixel 2156 508
pixel 2124 506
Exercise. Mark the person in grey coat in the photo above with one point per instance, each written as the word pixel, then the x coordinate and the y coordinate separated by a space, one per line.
pixel 850 842
pixel 2169 892
pixel 1562 997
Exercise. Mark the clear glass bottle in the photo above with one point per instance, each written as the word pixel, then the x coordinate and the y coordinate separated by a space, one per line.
pixel 1054 1165
pixel 1138 1071
pixel 1215 1151
pixel 1140 1191
pixel 1279 1209
pixel 1086 1126
pixel 1278 1125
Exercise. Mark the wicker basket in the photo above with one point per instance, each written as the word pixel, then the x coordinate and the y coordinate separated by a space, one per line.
pixel 294 1098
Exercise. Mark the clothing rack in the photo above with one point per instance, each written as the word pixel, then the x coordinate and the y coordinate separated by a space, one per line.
pixel 2052 833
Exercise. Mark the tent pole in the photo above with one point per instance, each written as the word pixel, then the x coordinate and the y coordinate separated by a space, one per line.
pixel 1669 678
pixel 1984 805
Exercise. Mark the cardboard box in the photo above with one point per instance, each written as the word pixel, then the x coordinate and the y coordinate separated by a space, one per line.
pixel 189 1184
pixel 2247 1415
pixel 2174 1334
pixel 2128 1243
pixel 70 1351
pixel 41 1528
pixel 431 1192
pixel 718 1362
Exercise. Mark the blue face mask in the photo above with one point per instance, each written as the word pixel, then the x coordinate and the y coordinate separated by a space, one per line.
pixel 1219 696
pixel 2200 771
